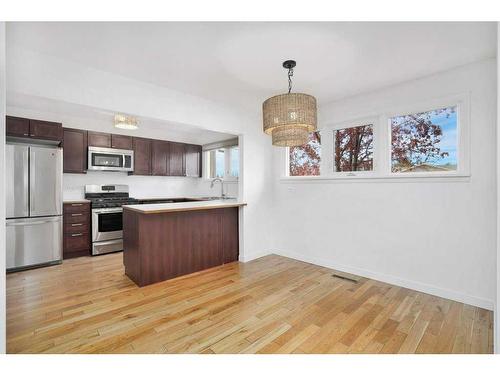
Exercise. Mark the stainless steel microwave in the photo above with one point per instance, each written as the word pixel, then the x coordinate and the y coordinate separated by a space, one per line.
pixel 110 159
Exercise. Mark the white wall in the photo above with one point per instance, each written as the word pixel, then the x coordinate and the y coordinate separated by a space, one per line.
pixel 37 75
pixel 434 236
pixel 2 187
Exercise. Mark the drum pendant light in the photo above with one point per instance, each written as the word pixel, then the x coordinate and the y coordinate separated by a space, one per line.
pixel 289 118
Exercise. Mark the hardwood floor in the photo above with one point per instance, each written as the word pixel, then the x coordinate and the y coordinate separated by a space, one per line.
pixel 270 305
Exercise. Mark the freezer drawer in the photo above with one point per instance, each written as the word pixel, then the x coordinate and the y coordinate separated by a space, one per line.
pixel 45 181
pixel 16 181
pixel 33 241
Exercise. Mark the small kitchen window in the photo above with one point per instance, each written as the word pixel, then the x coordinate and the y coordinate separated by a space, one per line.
pixel 222 160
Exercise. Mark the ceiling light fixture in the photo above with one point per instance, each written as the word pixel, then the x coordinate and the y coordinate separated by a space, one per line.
pixel 126 122
pixel 289 118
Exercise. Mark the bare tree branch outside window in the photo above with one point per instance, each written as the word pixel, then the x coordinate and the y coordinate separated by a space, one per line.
pixel 354 149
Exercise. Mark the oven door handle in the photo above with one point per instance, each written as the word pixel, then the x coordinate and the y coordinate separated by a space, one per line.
pixel 106 210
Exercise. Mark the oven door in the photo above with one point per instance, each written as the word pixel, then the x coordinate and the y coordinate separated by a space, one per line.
pixel 109 159
pixel 107 224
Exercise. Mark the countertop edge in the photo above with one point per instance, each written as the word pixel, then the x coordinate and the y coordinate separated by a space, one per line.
pixel 178 209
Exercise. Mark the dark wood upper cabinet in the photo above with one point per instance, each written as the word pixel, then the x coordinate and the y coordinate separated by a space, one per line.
pixel 121 141
pixel 142 156
pixel 176 159
pixel 17 126
pixel 159 158
pixel 47 130
pixel 74 150
pixel 23 127
pixel 151 156
pixel 97 139
pixel 192 160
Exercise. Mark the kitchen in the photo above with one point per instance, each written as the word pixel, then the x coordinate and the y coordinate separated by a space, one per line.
pixel 44 229
pixel 228 187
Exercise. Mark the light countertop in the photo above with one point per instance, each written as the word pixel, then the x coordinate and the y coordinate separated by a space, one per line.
pixel 69 201
pixel 184 206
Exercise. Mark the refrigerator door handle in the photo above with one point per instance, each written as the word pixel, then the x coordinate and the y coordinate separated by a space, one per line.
pixel 19 223
pixel 32 180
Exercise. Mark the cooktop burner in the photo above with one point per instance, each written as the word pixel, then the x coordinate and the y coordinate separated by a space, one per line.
pixel 111 202
pixel 107 196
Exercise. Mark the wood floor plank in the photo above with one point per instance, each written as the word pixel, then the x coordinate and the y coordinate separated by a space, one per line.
pixel 270 305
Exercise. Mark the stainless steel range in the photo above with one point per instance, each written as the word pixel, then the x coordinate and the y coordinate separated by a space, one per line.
pixel 106 203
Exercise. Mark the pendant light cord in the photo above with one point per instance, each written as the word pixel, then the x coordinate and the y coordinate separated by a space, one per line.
pixel 290 75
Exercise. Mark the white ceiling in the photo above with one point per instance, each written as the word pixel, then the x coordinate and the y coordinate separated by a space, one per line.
pixel 240 63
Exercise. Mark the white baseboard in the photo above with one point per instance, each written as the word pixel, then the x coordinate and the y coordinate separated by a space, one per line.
pixel 252 256
pixel 415 285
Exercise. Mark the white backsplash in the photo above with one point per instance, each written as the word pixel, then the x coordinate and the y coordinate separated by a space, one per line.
pixel 144 186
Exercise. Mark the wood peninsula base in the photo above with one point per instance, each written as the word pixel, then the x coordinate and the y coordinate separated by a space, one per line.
pixel 160 245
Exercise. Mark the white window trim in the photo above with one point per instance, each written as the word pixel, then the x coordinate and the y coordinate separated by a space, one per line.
pixel 227 165
pixel 382 146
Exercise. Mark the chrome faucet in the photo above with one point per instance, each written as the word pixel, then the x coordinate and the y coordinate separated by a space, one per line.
pixel 222 195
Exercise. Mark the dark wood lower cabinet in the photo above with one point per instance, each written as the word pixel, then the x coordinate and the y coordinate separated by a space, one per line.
pixel 161 246
pixel 77 233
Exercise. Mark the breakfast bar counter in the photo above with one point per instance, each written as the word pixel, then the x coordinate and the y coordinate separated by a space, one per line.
pixel 167 240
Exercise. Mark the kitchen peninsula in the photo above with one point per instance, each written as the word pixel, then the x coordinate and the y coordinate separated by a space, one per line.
pixel 163 241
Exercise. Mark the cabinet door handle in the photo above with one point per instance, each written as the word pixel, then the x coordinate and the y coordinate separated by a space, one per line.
pixel 76 214
pixel 76 225
pixel 76 234
pixel 76 204
pixel 25 134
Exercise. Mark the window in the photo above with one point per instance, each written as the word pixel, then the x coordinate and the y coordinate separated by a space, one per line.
pixel 424 142
pixel 234 166
pixel 223 162
pixel 305 160
pixel 353 148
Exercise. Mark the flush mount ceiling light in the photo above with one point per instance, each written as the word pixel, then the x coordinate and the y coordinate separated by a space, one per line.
pixel 126 122
pixel 289 118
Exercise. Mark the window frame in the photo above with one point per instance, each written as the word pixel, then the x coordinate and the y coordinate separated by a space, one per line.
pixel 353 124
pixel 382 150
pixel 287 165
pixel 227 164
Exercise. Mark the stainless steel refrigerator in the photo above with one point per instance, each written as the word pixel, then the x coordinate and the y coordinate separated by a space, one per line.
pixel 34 205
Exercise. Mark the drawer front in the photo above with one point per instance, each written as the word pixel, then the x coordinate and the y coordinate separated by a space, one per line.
pixel 76 227
pixel 76 241
pixel 77 217
pixel 70 208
